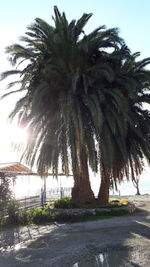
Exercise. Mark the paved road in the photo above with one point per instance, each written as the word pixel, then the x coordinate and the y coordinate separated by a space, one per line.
pixel 63 245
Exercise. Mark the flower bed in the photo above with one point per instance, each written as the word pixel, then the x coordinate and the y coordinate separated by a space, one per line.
pixel 130 208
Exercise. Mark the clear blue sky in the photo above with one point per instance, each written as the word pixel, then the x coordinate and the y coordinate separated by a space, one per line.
pixel 132 17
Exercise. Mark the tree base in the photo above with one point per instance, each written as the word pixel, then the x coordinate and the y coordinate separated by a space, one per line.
pixel 83 197
pixel 103 196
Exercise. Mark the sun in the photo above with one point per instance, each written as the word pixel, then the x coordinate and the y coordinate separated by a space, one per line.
pixel 13 141
pixel 13 135
pixel 18 135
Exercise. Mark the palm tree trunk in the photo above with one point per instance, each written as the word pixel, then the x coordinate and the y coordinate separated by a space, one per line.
pixel 82 192
pixel 103 195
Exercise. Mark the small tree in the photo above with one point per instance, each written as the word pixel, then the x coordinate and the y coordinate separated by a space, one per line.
pixel 7 200
pixel 136 184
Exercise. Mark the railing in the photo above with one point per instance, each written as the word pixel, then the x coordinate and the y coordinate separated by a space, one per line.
pixel 51 194
pixel 28 203
pixel 57 193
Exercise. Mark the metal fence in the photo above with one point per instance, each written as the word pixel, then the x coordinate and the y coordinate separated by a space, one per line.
pixel 27 203
pixel 57 193
pixel 38 200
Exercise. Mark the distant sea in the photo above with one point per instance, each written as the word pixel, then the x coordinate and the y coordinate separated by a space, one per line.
pixel 31 185
pixel 127 187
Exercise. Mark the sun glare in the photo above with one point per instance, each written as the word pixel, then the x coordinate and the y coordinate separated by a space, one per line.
pixel 18 135
pixel 13 135
pixel 12 142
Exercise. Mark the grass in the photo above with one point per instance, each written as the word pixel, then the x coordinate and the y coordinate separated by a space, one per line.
pixel 95 218
pixel 98 217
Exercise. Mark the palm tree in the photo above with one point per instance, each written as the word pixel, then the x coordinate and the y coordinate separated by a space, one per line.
pixel 59 65
pixel 126 139
pixel 80 95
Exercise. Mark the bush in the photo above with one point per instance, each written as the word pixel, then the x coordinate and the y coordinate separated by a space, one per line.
pixel 13 212
pixel 124 202
pixel 118 202
pixel 65 203
pixel 25 217
pixel 114 201
pixel 39 215
pixel 6 195
pixel 46 214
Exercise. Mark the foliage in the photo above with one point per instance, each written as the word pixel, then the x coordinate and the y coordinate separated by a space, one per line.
pixel 124 202
pixel 39 215
pixel 114 201
pixel 106 215
pixel 48 214
pixel 42 216
pixel 8 204
pixel 81 92
pixel 12 211
pixel 24 218
pixel 65 203
pixel 119 202
pixel 61 94
pixel 5 194
pixel 119 212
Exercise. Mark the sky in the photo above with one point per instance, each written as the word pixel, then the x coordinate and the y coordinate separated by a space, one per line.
pixel 130 16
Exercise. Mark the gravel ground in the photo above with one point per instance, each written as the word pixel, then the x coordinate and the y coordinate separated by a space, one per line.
pixel 62 245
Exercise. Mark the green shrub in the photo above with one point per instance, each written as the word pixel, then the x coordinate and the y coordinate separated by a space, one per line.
pixel 39 215
pixel 114 201
pixel 13 212
pixel 124 202
pixel 25 217
pixel 109 206
pixel 119 202
pixel 7 202
pixel 65 203
pixel 103 213
pixel 46 214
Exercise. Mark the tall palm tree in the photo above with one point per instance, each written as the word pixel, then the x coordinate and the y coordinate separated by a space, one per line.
pixel 126 139
pixel 57 67
pixel 80 95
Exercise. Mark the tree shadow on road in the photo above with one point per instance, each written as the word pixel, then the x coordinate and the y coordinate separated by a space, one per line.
pixel 53 245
